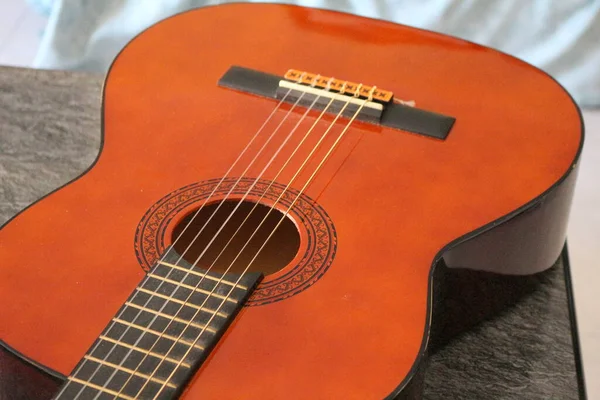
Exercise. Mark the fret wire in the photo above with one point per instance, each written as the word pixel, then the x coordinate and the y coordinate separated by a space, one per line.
pixel 100 388
pixel 212 278
pixel 176 300
pixel 157 333
pixel 172 317
pixel 190 287
pixel 153 354
pixel 130 371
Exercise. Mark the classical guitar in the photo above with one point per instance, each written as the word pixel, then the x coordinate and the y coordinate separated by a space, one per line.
pixel 277 192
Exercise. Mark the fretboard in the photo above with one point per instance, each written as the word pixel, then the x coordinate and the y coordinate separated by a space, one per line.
pixel 161 335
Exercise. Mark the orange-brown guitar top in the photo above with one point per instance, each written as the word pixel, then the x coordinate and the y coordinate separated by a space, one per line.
pixel 397 200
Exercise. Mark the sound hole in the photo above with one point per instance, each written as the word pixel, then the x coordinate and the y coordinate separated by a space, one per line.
pixel 278 252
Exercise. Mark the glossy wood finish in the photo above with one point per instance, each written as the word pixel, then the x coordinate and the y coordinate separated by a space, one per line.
pixel 396 199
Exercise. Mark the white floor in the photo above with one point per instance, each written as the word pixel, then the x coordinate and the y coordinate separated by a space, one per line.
pixel 20 32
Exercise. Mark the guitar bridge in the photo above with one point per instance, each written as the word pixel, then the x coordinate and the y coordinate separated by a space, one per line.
pixel 378 106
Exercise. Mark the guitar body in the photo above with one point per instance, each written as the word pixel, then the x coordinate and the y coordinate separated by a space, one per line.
pixel 386 207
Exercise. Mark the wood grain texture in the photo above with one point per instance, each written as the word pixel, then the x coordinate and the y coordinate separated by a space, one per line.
pixel 524 352
pixel 516 135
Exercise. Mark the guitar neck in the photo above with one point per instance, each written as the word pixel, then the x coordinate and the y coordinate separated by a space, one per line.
pixel 162 333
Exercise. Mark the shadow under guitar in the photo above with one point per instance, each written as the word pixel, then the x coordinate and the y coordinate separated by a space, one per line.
pixel 468 297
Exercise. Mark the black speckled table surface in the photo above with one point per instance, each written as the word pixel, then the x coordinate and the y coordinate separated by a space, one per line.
pixel 522 349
